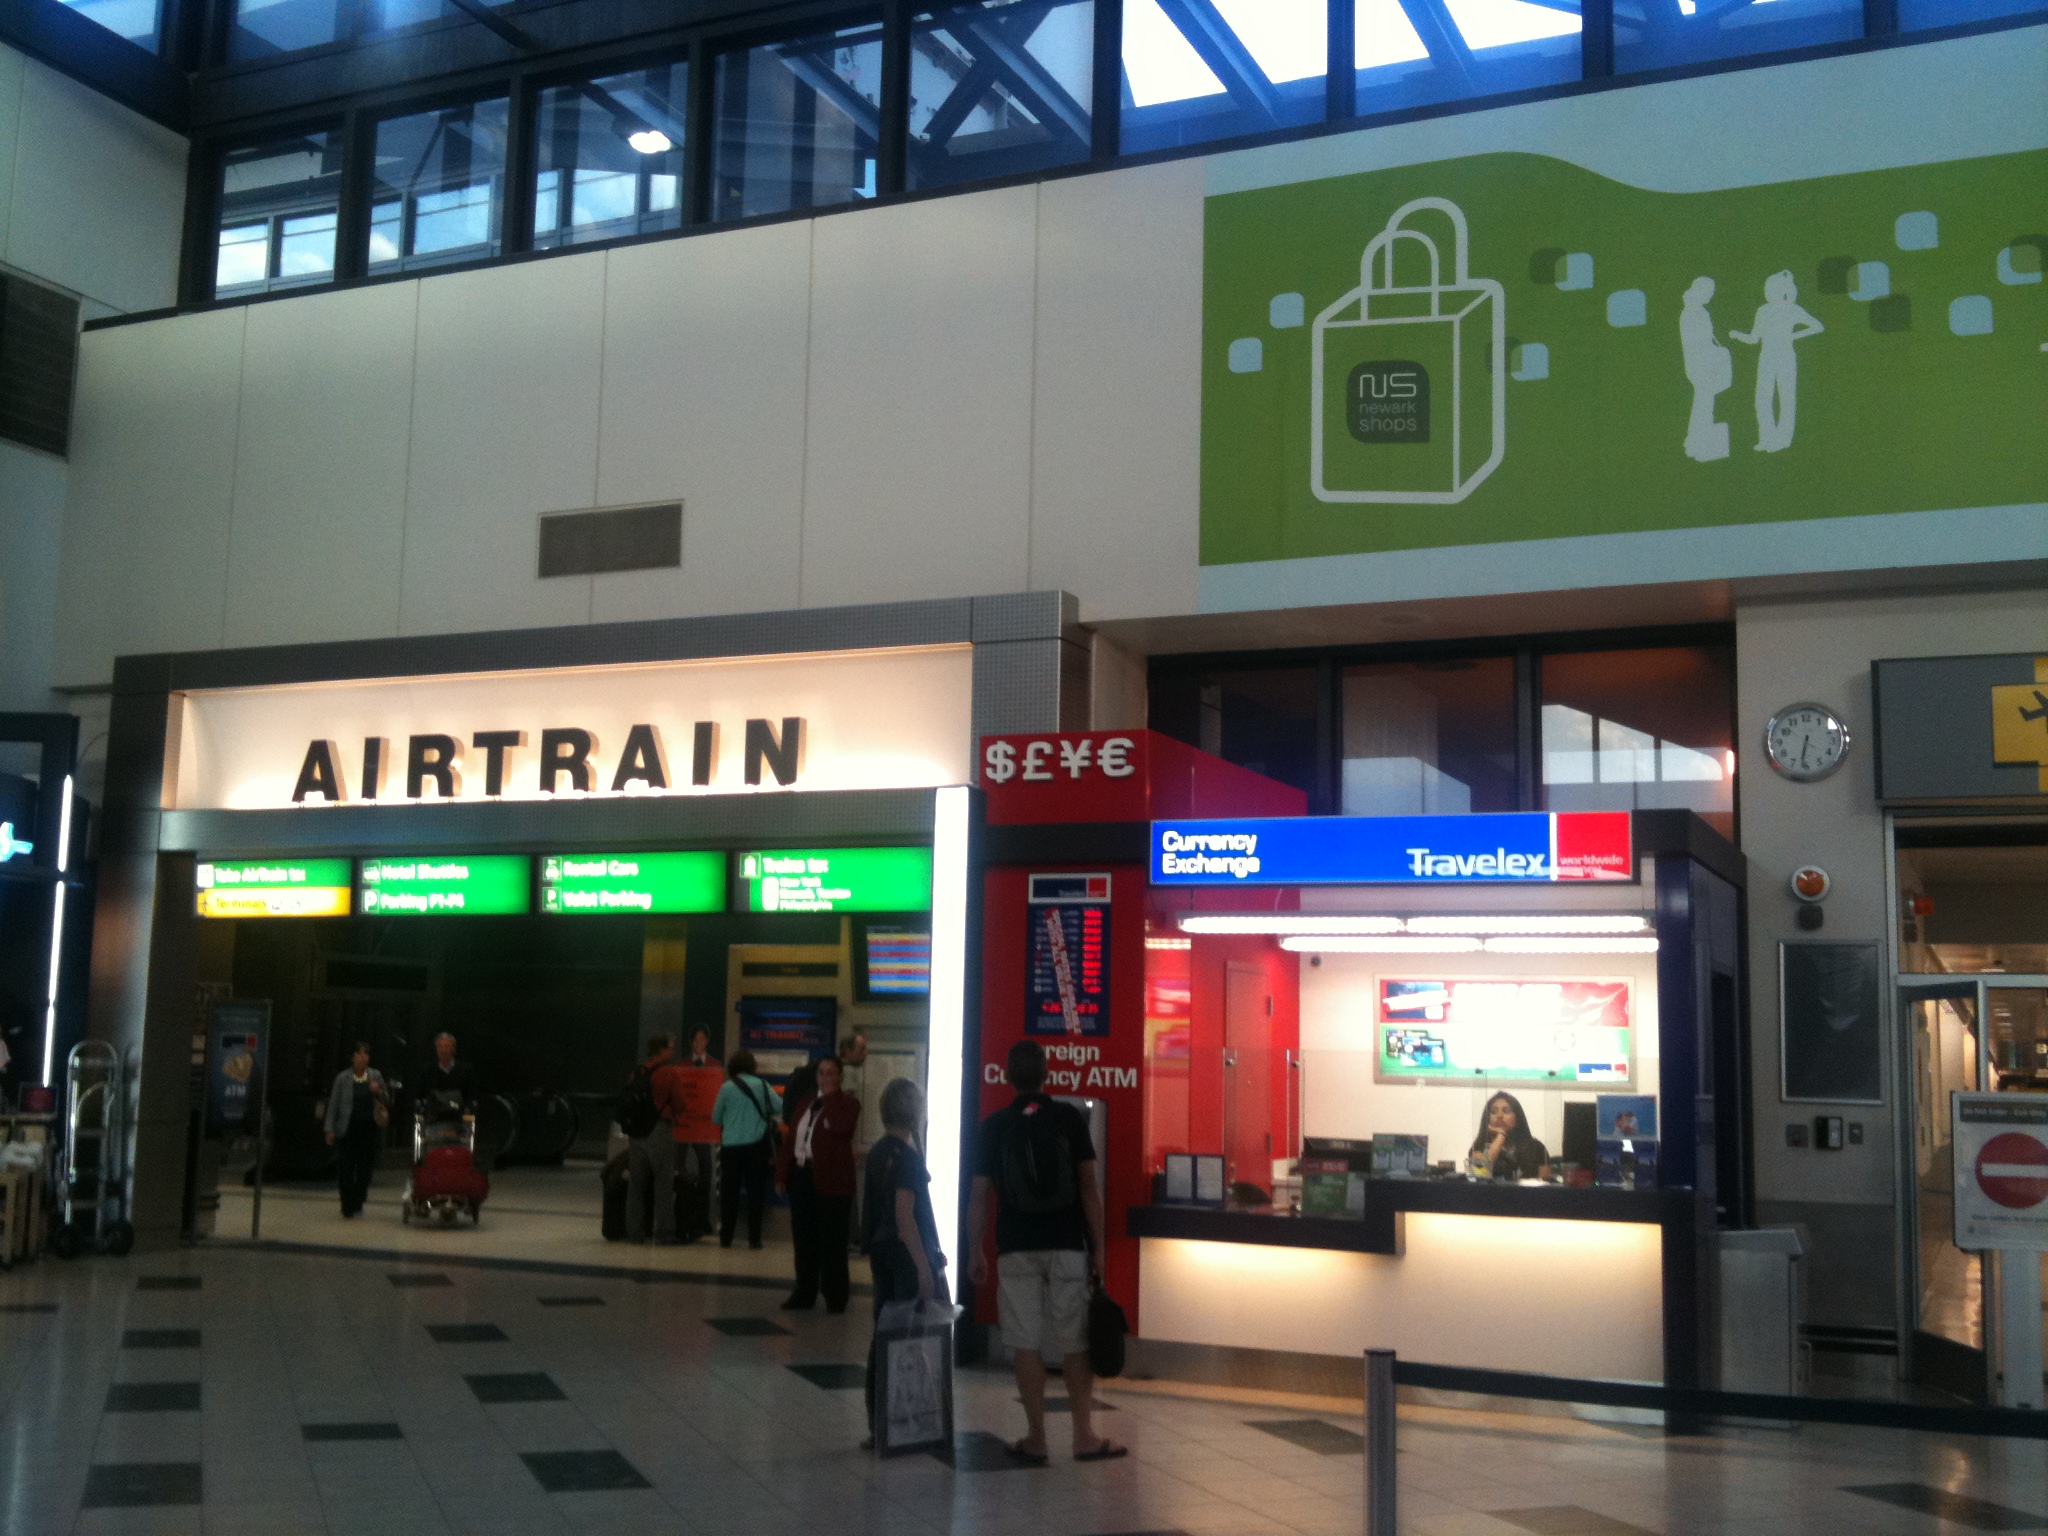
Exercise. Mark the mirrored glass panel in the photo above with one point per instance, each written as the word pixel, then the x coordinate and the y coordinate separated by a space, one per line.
pixel 796 123
pixel 136 20
pixel 999 88
pixel 1261 718
pixel 608 157
pixel 437 190
pixel 1651 34
pixel 278 206
pixel 1434 738
pixel 1413 52
pixel 1641 730
pixel 1196 70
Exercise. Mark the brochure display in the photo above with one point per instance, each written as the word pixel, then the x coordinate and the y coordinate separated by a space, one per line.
pixel 1504 1030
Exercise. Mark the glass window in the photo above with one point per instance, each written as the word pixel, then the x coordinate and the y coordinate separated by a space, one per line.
pixel 608 157
pixel 1650 34
pixel 1199 71
pixel 136 20
pixel 1432 738
pixel 1262 718
pixel 265 27
pixel 797 123
pixel 277 214
pixel 999 88
pixel 1916 15
pixel 1641 730
pixel 1413 52
pixel 436 193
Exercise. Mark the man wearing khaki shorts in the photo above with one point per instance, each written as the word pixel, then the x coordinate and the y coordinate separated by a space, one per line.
pixel 1039 1159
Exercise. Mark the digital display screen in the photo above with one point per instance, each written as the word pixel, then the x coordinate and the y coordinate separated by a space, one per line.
pixel 1067 955
pixel 274 887
pixel 1505 1030
pixel 581 884
pixel 899 962
pixel 838 879
pixel 448 885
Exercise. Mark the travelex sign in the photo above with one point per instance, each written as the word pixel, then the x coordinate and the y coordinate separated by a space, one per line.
pixel 1517 848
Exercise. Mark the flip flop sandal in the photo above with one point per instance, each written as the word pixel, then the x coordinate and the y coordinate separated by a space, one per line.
pixel 1109 1450
pixel 1030 1458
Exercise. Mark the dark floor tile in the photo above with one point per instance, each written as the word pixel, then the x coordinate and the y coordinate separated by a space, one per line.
pixel 1956 1508
pixel 1066 1405
pixel 138 1484
pixel 516 1387
pixel 410 1280
pixel 466 1333
pixel 571 1301
pixel 834 1375
pixel 28 1306
pixel 168 1283
pixel 582 1471
pixel 980 1451
pixel 153 1397
pixel 1568 1520
pixel 1313 1435
pixel 160 1338
pixel 746 1327
pixel 317 1433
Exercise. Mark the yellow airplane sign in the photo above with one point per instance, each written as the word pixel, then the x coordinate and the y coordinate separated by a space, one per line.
pixel 2019 724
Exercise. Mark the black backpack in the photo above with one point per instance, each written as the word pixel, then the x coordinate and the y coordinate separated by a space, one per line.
pixel 1038 1173
pixel 638 1115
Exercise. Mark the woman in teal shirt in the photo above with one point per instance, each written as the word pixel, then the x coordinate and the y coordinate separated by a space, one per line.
pixel 744 1113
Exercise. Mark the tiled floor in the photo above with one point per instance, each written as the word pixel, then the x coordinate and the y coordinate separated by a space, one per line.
pixel 276 1393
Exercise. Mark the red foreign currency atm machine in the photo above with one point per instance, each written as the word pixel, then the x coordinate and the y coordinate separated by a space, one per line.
pixel 1067 959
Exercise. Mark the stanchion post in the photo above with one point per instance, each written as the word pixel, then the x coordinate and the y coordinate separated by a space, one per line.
pixel 1381 1517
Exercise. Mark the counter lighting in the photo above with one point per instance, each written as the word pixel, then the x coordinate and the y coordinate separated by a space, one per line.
pixel 1563 923
pixel 1465 944
pixel 1475 926
pixel 1286 922
pixel 1571 946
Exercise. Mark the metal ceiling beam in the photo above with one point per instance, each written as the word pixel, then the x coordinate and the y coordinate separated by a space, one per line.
pixel 1228 59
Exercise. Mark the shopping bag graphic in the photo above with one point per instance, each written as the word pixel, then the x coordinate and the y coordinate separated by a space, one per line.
pixel 1410 372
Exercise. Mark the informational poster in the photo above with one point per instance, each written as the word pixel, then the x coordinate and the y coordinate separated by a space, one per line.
pixel 700 1087
pixel 2001 1160
pixel 1505 1030
pixel 1067 942
pixel 237 1037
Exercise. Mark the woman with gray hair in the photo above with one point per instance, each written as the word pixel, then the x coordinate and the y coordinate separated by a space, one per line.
pixel 358 1108
pixel 902 1237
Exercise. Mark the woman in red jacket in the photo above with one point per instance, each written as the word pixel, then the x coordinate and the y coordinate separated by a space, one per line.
pixel 816 1168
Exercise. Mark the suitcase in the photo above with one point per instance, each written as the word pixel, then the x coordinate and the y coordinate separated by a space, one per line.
pixel 450 1173
pixel 615 1183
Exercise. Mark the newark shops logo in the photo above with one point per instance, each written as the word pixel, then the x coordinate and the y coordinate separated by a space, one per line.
pixel 1410 371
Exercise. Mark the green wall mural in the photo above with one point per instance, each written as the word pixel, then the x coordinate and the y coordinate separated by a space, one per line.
pixel 1512 347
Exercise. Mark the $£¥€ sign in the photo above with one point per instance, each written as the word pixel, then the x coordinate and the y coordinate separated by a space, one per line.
pixel 1048 757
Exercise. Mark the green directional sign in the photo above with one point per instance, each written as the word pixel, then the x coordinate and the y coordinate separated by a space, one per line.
pixel 585 883
pixel 838 879
pixel 448 884
pixel 273 887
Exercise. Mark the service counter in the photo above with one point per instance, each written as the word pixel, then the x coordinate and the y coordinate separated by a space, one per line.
pixel 1559 1281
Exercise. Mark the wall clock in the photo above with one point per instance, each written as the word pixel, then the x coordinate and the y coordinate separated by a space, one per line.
pixel 1806 742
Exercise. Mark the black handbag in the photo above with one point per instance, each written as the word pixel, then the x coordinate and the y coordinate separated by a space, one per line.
pixel 1107 1330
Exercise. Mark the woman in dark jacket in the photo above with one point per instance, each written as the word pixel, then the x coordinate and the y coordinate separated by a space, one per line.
pixel 1504 1140
pixel 816 1168
pixel 354 1104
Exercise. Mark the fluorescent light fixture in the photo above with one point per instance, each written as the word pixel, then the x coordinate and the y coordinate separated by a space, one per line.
pixel 651 141
pixel 1590 923
pixel 1561 944
pixel 1377 944
pixel 56 937
pixel 1155 942
pixel 1285 922
pixel 948 1037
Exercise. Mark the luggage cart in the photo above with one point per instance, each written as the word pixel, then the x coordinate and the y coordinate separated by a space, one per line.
pixel 95 1190
pixel 446 1183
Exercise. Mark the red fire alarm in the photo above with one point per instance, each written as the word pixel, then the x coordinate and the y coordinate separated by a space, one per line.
pixel 1810 882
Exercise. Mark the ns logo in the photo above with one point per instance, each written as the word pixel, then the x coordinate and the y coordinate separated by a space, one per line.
pixel 1388 402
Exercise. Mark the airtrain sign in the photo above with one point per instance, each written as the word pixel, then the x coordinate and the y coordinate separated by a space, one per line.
pixel 844 720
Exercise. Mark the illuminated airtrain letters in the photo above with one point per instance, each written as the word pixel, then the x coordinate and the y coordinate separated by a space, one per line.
pixel 566 758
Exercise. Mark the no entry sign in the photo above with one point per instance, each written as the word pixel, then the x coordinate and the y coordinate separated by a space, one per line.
pixel 2001 1152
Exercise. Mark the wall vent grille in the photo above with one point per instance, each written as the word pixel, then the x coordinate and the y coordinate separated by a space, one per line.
pixel 38 358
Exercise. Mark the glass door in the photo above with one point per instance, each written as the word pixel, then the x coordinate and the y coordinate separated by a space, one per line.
pixel 1946 1047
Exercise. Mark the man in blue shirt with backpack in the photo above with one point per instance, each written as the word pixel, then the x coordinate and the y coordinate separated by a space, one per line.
pixel 1039 1159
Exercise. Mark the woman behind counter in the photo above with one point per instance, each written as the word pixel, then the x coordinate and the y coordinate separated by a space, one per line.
pixel 1504 1141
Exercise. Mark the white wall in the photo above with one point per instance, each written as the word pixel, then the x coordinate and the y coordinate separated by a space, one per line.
pixel 970 395
pixel 1821 649
pixel 91 201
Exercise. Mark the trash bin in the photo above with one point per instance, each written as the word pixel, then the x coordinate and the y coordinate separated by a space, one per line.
pixel 1763 1302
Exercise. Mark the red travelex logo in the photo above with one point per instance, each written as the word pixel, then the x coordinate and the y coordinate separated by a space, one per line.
pixel 1593 845
pixel 2012 1169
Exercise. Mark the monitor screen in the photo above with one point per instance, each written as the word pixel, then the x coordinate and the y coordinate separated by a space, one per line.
pixel 899 962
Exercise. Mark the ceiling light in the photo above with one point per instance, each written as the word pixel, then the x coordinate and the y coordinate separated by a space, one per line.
pixel 1285 922
pixel 651 141
pixel 1590 923
pixel 1563 945
pixel 1366 944
pixel 1153 941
